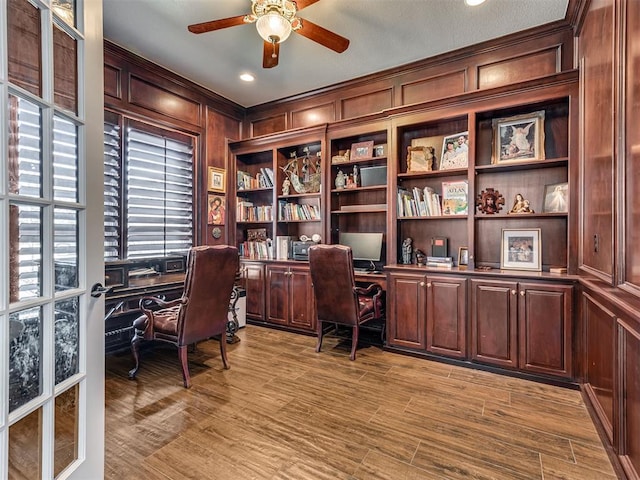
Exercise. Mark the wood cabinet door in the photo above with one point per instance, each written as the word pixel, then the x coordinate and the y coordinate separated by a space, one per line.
pixel 446 316
pixel 277 294
pixel 406 315
pixel 494 310
pixel 302 300
pixel 253 276
pixel 544 314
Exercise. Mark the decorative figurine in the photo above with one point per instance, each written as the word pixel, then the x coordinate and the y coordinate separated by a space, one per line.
pixel 521 205
pixel 340 180
pixel 407 249
pixel 286 185
pixel 356 177
pixel 420 257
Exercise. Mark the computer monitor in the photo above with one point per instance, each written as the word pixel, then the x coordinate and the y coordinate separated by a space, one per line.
pixel 364 246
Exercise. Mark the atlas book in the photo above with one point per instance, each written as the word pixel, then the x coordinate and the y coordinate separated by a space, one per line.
pixel 455 198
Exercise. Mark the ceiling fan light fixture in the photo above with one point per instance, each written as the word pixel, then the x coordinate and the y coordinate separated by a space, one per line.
pixel 273 27
pixel 473 3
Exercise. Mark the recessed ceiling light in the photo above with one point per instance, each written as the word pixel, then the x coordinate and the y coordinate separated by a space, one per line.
pixel 247 77
pixel 473 3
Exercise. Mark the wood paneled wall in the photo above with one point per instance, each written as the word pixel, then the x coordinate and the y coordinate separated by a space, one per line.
pixel 508 60
pixel 142 90
pixel 609 257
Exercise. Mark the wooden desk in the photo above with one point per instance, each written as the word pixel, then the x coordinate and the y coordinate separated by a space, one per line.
pixel 379 278
pixel 122 305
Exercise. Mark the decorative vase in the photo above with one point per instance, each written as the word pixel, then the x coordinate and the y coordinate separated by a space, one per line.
pixel 340 180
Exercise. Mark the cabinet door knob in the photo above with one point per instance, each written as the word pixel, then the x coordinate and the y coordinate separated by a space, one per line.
pixel 522 293
pixel 513 292
pixel 428 285
pixel 422 284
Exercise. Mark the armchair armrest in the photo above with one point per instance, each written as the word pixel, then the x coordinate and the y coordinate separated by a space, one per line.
pixel 374 291
pixel 148 301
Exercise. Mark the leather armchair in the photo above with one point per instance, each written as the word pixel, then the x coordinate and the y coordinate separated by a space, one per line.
pixel 201 312
pixel 338 299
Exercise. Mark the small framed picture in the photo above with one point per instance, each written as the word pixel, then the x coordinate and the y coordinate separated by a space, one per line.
pixel 463 257
pixel 455 151
pixel 215 209
pixel 380 150
pixel 521 249
pixel 518 138
pixel 556 198
pixel 434 143
pixel 420 159
pixel 216 180
pixel 361 150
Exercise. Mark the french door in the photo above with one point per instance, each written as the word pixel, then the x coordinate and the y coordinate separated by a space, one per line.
pixel 51 240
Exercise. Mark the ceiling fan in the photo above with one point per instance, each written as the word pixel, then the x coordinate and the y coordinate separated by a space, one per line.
pixel 275 20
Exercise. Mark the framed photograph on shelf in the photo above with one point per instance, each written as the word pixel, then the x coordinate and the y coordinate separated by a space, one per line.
pixel 518 138
pixel 455 151
pixel 432 142
pixel 216 179
pixel 215 209
pixel 463 258
pixel 556 198
pixel 521 249
pixel 420 159
pixel 361 151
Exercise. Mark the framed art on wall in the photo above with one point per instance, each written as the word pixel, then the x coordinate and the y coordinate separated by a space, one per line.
pixel 521 249
pixel 216 179
pixel 216 209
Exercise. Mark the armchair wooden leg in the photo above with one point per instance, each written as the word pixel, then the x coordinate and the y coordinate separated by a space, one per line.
pixel 139 327
pixel 182 354
pixel 354 342
pixel 320 332
pixel 223 351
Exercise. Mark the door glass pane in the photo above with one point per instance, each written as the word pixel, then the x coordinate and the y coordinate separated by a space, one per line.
pixel 65 244
pixel 24 40
pixel 25 151
pixel 66 338
pixel 66 10
pixel 25 351
pixel 25 447
pixel 65 70
pixel 66 430
pixel 65 160
pixel 25 249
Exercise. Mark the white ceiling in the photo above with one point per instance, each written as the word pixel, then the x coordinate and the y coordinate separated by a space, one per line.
pixel 383 34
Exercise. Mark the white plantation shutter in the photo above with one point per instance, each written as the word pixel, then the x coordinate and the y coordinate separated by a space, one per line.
pixel 158 195
pixel 112 191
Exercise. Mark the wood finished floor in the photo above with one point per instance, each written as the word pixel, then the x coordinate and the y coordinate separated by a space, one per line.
pixel 285 412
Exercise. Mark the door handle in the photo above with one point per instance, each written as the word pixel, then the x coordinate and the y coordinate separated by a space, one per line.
pixel 98 290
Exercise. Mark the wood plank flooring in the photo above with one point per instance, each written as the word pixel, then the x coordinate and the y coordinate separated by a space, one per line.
pixel 285 412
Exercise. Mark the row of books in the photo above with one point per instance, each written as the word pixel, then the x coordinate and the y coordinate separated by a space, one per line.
pixel 248 212
pixel 426 202
pixel 439 262
pixel 297 211
pixel 418 202
pixel 257 250
pixel 263 179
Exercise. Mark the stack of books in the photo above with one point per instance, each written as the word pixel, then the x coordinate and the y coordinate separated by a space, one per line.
pixel 440 262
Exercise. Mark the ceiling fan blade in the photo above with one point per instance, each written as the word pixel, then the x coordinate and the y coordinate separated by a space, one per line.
pixel 323 36
pixel 216 24
pixel 270 54
pixel 300 4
